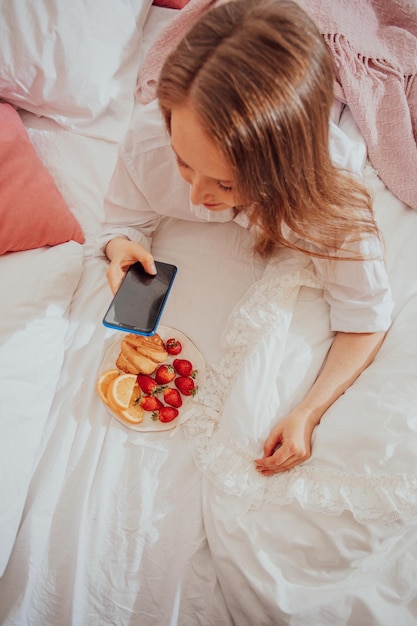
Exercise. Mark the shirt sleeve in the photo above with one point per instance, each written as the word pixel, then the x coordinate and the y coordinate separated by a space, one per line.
pixel 145 185
pixel 358 292
pixel 127 211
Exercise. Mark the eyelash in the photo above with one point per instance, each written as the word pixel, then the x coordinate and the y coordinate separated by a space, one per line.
pixel 223 187
pixel 185 166
pixel 180 163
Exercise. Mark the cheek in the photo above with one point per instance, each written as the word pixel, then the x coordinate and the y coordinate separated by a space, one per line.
pixel 235 200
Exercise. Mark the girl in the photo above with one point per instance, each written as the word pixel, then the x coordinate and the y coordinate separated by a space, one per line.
pixel 246 98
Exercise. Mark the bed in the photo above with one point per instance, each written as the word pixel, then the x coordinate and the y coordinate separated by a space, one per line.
pixel 102 524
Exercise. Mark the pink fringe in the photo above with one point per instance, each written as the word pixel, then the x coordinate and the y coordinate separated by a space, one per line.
pixel 168 39
pixel 383 101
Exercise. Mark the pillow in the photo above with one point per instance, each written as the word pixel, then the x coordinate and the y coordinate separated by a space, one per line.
pixel 37 287
pixel 75 62
pixel 171 4
pixel 33 213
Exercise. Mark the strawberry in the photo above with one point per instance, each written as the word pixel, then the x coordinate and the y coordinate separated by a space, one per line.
pixel 173 346
pixel 164 374
pixel 184 367
pixel 150 403
pixel 172 397
pixel 148 384
pixel 186 385
pixel 167 414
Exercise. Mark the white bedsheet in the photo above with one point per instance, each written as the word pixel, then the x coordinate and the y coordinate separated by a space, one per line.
pixel 36 289
pixel 113 530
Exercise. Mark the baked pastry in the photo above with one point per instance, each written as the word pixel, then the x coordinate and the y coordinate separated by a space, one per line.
pixel 151 347
pixel 141 355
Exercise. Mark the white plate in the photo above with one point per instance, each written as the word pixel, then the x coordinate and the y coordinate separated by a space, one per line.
pixel 189 351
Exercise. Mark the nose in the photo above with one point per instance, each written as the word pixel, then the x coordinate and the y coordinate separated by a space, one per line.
pixel 201 190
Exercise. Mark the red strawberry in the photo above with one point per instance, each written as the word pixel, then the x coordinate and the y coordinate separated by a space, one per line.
pixel 186 385
pixel 164 374
pixel 167 414
pixel 150 403
pixel 172 397
pixel 184 367
pixel 173 346
pixel 148 384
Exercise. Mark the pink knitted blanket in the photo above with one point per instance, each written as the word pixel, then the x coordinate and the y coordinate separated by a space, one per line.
pixel 162 46
pixel 373 44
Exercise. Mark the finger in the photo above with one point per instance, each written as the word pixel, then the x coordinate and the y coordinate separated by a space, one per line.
pixel 271 463
pixel 288 464
pixel 148 263
pixel 272 470
pixel 114 276
pixel 275 470
pixel 150 267
pixel 131 252
pixel 282 457
pixel 271 445
pixel 279 454
pixel 280 470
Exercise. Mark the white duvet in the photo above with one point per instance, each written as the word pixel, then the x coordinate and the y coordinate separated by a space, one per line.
pixel 334 540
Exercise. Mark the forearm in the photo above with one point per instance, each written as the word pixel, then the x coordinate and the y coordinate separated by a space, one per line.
pixel 290 441
pixel 348 356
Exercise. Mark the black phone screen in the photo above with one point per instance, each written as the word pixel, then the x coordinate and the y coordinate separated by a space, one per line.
pixel 138 304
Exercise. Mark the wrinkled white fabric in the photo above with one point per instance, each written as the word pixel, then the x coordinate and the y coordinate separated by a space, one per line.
pixel 256 383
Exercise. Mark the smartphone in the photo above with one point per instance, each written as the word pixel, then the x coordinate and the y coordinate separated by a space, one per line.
pixel 138 303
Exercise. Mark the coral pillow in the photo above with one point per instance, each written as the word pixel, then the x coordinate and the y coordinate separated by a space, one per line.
pixel 171 4
pixel 33 213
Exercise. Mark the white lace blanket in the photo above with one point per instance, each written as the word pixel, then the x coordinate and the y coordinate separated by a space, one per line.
pixel 268 365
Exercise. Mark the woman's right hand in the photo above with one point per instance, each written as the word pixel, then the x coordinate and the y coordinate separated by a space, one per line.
pixel 122 253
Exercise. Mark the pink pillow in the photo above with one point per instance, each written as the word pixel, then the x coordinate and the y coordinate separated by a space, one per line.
pixel 171 4
pixel 33 213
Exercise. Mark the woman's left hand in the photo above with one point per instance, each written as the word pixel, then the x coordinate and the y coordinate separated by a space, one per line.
pixel 288 444
pixel 290 441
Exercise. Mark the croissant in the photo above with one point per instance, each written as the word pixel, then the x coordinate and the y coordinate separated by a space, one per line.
pixel 151 347
pixel 141 355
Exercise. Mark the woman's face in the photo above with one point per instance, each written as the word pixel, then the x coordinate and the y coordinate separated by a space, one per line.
pixel 201 163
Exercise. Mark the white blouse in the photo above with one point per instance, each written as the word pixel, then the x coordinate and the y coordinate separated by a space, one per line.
pixel 146 186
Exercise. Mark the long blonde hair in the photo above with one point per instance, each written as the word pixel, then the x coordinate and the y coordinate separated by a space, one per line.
pixel 260 78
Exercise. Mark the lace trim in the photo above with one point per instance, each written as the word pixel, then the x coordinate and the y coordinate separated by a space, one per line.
pixel 377 499
pixel 380 498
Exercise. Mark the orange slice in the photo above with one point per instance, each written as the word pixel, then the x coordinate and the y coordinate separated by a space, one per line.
pixel 120 391
pixel 104 381
pixel 134 413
